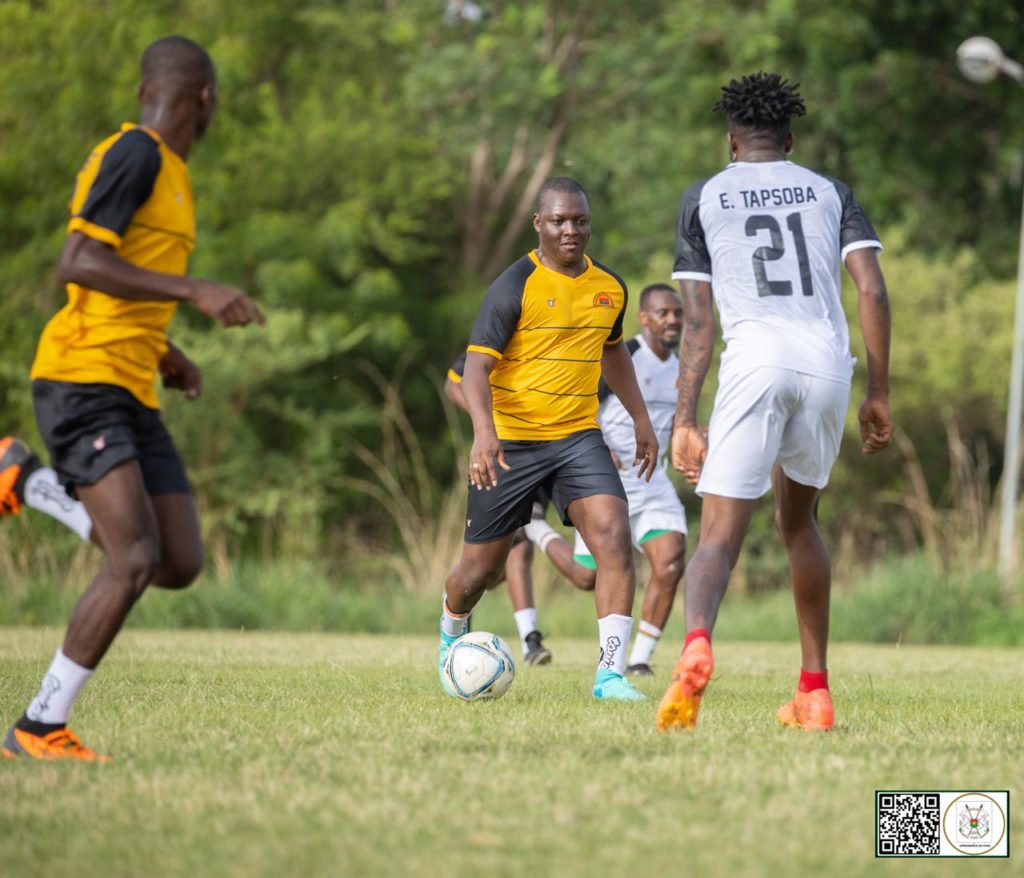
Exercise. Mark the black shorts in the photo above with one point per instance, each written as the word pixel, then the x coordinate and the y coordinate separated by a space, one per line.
pixel 567 469
pixel 539 505
pixel 91 428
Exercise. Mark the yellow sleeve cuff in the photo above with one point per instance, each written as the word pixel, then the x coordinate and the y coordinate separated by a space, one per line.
pixel 612 341
pixel 482 350
pixel 105 236
pixel 454 377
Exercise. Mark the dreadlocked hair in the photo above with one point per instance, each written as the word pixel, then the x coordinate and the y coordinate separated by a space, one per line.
pixel 761 101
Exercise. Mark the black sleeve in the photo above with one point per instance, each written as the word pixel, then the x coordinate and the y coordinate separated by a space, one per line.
pixel 603 390
pixel 691 249
pixel 124 182
pixel 501 309
pixel 456 369
pixel 854 225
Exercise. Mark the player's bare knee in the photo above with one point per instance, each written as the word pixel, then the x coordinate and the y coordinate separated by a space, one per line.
pixel 611 542
pixel 138 564
pixel 470 578
pixel 180 572
pixel 669 571
pixel 790 524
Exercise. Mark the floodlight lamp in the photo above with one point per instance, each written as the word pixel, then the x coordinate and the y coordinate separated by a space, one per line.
pixel 980 59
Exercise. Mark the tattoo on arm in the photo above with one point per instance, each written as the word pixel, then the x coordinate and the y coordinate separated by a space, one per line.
pixel 696 347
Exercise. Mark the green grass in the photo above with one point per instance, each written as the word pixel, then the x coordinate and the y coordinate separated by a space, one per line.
pixel 251 754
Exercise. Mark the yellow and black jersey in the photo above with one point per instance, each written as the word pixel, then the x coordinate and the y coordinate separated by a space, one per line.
pixel 548 332
pixel 133 194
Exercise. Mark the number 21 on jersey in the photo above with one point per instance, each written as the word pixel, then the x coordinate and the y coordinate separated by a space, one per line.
pixel 776 250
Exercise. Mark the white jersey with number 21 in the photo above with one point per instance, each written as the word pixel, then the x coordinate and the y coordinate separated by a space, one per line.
pixel 770 238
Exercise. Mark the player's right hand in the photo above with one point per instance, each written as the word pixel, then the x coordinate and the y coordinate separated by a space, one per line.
pixel 229 306
pixel 485 457
pixel 689 450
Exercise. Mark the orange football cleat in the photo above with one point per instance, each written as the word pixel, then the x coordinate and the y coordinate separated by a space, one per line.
pixel 17 462
pixel 60 744
pixel 681 702
pixel 812 711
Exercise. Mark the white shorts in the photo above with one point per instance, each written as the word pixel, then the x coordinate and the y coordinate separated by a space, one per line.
pixel 653 505
pixel 768 417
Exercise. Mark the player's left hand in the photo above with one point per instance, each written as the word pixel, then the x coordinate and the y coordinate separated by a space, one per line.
pixel 646 450
pixel 876 425
pixel 180 373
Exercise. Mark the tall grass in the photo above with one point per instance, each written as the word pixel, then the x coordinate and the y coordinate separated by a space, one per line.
pixel 426 512
pixel 955 529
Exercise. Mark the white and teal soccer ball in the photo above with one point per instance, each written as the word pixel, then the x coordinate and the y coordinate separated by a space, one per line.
pixel 479 666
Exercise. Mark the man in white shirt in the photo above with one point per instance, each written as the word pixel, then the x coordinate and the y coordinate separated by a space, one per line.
pixel 656 516
pixel 769 236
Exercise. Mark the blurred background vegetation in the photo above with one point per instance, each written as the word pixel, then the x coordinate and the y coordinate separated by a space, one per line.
pixel 374 165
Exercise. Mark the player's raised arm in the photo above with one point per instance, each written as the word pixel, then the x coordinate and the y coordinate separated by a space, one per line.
pixel 689 441
pixel 876 424
pixel 618 373
pixel 486 454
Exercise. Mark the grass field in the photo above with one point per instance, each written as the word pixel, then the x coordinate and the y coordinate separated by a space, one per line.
pixel 248 754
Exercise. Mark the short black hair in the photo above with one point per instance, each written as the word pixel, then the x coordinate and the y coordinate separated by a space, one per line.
pixel 761 103
pixel 645 293
pixel 177 58
pixel 561 184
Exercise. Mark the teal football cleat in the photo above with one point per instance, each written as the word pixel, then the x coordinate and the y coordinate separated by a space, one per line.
pixel 442 652
pixel 609 686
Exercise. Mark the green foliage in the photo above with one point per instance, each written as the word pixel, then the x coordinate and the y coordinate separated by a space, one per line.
pixel 373 165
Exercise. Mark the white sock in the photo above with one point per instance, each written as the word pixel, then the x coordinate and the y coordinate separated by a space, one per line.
pixel 58 691
pixel 613 632
pixel 452 624
pixel 540 533
pixel 44 492
pixel 526 621
pixel 647 636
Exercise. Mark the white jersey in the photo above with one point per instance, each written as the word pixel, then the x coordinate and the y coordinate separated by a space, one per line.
pixel 770 238
pixel 657 381
pixel 653 505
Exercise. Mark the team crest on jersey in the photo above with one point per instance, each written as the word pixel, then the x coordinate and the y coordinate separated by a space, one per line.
pixel 603 300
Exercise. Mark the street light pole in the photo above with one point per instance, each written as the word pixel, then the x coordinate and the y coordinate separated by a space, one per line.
pixel 981 60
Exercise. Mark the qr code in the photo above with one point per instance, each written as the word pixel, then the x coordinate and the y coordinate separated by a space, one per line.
pixel 908 824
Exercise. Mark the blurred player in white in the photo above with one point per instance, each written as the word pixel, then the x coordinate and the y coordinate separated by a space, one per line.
pixel 656 516
pixel 768 236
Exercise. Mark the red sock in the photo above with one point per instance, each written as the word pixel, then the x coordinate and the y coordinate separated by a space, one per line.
pixel 811 680
pixel 693 635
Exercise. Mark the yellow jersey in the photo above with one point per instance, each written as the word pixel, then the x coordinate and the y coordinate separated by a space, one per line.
pixel 133 194
pixel 548 332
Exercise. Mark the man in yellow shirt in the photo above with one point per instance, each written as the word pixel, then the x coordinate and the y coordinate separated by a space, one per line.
pixel 548 329
pixel 94 377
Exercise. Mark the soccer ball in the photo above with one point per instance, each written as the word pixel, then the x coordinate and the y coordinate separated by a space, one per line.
pixel 479 666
